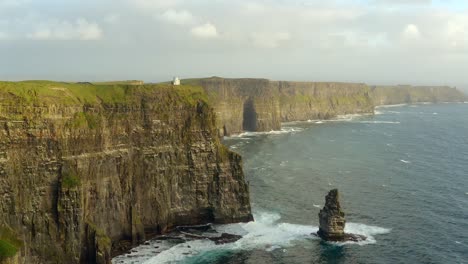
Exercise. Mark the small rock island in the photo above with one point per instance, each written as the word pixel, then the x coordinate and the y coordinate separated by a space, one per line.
pixel 332 221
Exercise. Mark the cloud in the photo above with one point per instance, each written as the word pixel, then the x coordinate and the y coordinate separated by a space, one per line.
pixel 182 17
pixel 3 35
pixel 149 5
pixel 270 40
pixel 403 2
pixel 81 29
pixel 13 3
pixel 112 18
pixel 207 30
pixel 411 31
pixel 253 8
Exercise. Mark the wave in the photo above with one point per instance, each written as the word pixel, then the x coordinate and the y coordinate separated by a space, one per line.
pixel 284 130
pixel 405 161
pixel 265 233
pixel 378 122
pixel 389 106
pixel 366 230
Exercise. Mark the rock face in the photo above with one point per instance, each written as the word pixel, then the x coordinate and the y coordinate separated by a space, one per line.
pixel 83 167
pixel 261 105
pixel 332 221
pixel 332 218
pixel 406 94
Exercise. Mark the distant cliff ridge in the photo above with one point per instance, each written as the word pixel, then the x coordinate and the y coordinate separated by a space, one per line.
pixel 406 94
pixel 261 105
pixel 83 167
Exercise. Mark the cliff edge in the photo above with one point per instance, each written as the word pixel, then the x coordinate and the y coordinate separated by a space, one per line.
pixel 261 104
pixel 407 94
pixel 84 167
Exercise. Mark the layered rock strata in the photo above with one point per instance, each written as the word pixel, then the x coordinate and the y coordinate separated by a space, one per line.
pixel 261 105
pixel 406 94
pixel 332 221
pixel 83 167
pixel 332 218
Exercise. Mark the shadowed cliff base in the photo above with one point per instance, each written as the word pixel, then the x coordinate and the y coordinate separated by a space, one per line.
pixel 249 122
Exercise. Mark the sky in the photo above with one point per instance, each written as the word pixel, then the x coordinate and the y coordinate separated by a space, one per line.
pixel 371 41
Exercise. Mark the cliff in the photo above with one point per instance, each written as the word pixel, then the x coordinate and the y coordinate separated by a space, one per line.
pixel 406 94
pixel 261 105
pixel 84 167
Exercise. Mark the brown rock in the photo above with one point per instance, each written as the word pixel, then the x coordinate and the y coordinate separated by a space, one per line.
pixel 332 220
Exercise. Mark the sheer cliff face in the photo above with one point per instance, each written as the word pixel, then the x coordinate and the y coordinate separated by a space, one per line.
pixel 261 105
pixel 83 167
pixel 306 100
pixel 243 104
pixel 405 94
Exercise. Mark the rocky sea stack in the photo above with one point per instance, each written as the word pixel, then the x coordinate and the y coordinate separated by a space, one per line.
pixel 332 221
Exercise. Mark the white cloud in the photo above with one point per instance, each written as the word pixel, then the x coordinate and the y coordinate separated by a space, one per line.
pixel 81 29
pixel 88 31
pixel 13 3
pixel 253 8
pixel 457 31
pixel 182 17
pixel 411 31
pixel 149 5
pixel 3 35
pixel 270 40
pixel 207 30
pixel 112 18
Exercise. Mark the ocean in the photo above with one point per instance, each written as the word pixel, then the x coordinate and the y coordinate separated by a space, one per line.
pixel 403 179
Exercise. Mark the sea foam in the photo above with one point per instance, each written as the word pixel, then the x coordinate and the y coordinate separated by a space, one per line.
pixel 284 130
pixel 265 233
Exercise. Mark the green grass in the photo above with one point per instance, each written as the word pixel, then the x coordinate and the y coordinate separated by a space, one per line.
pixel 7 249
pixel 62 93
pixel 126 82
pixel 9 243
pixel 84 119
pixel 70 181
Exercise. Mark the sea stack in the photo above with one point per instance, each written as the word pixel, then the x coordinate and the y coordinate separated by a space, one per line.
pixel 332 221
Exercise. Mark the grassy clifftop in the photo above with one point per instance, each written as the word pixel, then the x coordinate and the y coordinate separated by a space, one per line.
pixel 62 93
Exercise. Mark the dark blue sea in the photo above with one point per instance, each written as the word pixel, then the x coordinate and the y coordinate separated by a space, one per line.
pixel 403 179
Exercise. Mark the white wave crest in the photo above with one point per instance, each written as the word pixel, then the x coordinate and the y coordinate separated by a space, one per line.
pixel 284 130
pixel 405 161
pixel 366 230
pixel 378 122
pixel 389 106
pixel 266 233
